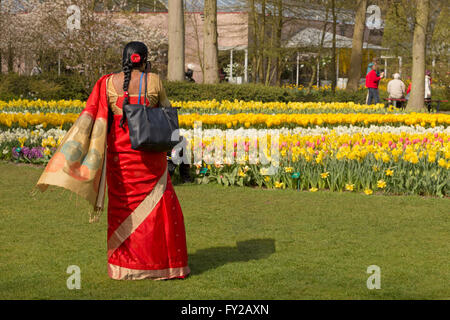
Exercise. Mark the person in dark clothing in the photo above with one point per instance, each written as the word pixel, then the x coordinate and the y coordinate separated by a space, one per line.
pixel 188 75
pixel 222 75
pixel 184 167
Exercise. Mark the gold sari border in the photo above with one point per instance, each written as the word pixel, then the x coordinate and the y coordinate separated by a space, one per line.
pixel 121 273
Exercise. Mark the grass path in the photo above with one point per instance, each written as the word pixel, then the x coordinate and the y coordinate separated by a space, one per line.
pixel 243 243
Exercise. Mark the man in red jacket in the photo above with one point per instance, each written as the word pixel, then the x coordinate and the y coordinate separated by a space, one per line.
pixel 372 80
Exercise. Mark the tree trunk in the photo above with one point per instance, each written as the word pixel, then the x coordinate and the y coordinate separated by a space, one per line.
pixel 313 76
pixel 319 53
pixel 354 73
pixel 255 48
pixel 175 70
pixel 416 100
pixel 269 56
pixel 333 53
pixel 10 60
pixel 279 26
pixel 262 37
pixel 210 46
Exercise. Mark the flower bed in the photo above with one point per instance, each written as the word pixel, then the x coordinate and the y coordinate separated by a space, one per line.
pixel 207 106
pixel 351 152
pixel 247 120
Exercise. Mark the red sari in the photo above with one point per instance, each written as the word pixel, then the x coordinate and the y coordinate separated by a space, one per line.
pixel 146 233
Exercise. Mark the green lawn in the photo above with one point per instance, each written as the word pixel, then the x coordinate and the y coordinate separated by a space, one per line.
pixel 243 243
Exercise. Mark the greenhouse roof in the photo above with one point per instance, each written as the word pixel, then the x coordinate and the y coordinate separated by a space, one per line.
pixel 310 37
pixel 222 5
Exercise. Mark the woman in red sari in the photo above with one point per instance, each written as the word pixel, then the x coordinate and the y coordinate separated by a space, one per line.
pixel 153 243
pixel 146 233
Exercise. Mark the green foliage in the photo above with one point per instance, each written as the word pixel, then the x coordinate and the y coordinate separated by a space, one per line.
pixel 45 87
pixel 185 91
pixel 240 240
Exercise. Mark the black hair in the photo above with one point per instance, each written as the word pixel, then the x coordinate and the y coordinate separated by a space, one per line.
pixel 127 65
pixel 134 47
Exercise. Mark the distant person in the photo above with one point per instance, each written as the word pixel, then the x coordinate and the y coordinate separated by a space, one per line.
pixel 222 75
pixel 369 68
pixel 375 61
pixel 428 89
pixel 372 81
pixel 35 71
pixel 396 90
pixel 427 95
pixel 184 167
pixel 409 89
pixel 188 75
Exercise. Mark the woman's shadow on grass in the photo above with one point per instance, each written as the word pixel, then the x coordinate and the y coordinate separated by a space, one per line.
pixel 211 258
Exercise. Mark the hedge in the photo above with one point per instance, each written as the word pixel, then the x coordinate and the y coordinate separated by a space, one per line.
pixel 54 87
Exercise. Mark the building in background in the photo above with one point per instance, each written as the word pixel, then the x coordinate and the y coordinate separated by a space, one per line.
pixel 301 33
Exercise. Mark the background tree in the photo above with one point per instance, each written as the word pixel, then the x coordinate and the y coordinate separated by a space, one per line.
pixel 357 45
pixel 416 100
pixel 176 41
pixel 333 46
pixel 210 44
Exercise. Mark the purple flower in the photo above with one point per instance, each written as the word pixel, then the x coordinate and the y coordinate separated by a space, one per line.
pixel 38 152
pixel 33 153
pixel 15 152
pixel 26 151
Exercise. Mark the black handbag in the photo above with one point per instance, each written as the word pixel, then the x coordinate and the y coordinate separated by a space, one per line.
pixel 151 129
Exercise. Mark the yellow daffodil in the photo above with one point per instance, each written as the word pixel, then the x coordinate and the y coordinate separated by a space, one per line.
pixel 324 175
pixel 381 184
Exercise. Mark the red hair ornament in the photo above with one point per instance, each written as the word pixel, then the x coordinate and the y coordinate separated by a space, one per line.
pixel 135 58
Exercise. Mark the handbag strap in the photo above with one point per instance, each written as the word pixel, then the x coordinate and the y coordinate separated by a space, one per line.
pixel 124 117
pixel 139 97
pixel 145 96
